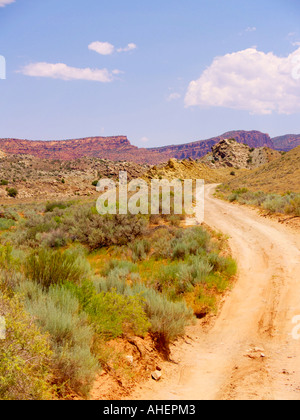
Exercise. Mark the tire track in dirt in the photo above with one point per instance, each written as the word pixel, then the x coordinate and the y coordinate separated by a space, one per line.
pixel 249 352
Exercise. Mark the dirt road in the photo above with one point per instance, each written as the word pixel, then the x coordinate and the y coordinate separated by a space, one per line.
pixel 249 352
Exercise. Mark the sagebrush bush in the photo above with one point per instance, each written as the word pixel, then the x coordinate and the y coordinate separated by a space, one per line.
pixel 226 266
pixel 25 355
pixel 65 223
pixel 140 249
pixel 10 266
pixel 6 224
pixel 112 312
pixel 57 312
pixel 113 315
pixel 50 206
pixel 178 278
pixel 85 225
pixel 288 203
pixel 168 319
pixel 47 267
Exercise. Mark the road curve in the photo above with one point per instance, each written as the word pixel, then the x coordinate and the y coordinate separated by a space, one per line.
pixel 250 352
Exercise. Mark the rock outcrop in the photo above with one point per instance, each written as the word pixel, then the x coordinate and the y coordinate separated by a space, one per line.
pixel 200 148
pixel 229 153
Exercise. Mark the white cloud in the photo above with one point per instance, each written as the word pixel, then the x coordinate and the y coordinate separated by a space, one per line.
pixel 251 29
pixel 249 80
pixel 129 47
pixel 103 48
pixel 144 140
pixel 173 96
pixel 64 72
pixel 4 3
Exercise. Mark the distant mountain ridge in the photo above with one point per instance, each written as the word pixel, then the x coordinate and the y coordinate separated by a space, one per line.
pixel 287 142
pixel 118 148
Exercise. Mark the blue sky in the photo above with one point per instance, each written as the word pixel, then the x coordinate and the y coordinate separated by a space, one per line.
pixel 161 72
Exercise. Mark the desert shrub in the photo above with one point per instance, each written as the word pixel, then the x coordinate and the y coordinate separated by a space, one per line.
pixel 3 182
pixel 241 191
pixel 112 265
pixel 9 214
pixel 10 266
pixel 12 192
pixel 155 219
pixel 47 267
pixel 85 225
pixel 162 244
pixel 233 197
pixel 64 223
pixel 201 301
pixel 111 282
pixel 53 239
pixel 113 314
pixel 178 278
pixel 140 249
pixel 168 319
pixel 181 250
pixel 190 242
pixel 275 204
pixel 174 220
pixel 31 229
pixel 223 265
pixel 50 206
pixel 6 224
pixel 25 355
pixel 57 312
pixel 294 206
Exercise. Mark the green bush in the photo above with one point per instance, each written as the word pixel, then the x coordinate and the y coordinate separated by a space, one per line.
pixel 10 266
pixel 168 319
pixel 50 206
pixel 6 224
pixel 53 239
pixel 178 278
pixel 113 315
pixel 25 355
pixel 47 267
pixel 57 312
pixel 274 203
pixel 140 250
pixel 226 266
pixel 12 192
pixel 295 206
pixel 88 227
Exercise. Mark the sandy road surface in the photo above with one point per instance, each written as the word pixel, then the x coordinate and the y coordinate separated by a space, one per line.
pixel 249 353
